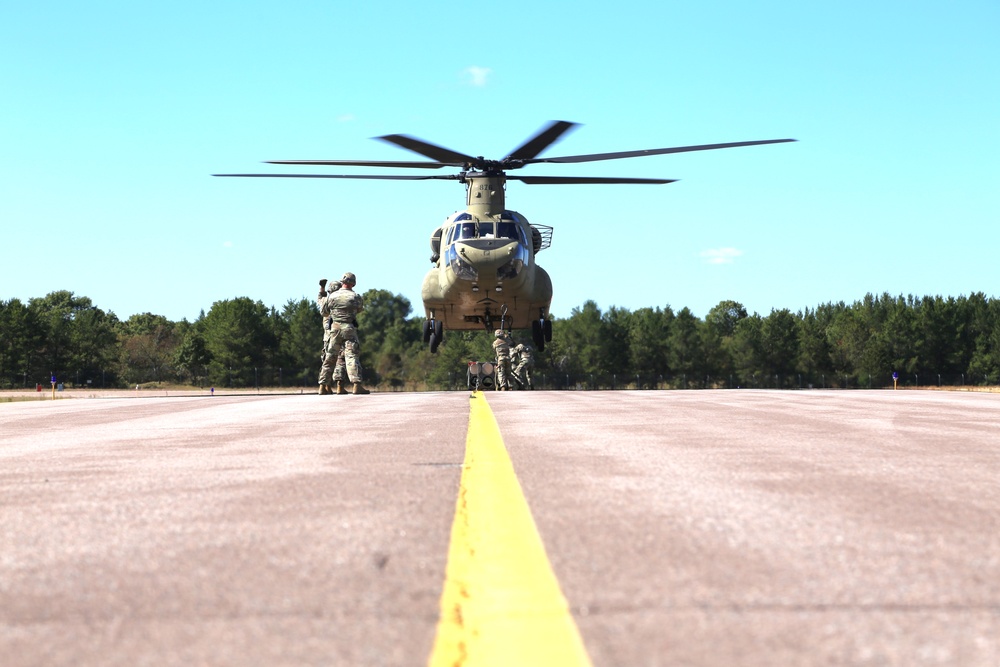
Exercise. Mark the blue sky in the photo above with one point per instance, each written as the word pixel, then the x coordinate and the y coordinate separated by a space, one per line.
pixel 116 113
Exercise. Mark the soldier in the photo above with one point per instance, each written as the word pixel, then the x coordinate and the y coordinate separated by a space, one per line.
pixel 340 370
pixel 502 348
pixel 334 286
pixel 525 362
pixel 342 307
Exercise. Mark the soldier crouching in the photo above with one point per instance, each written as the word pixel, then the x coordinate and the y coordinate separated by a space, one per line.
pixel 525 362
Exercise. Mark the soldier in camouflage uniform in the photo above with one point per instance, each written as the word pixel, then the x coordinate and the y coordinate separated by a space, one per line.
pixel 342 307
pixel 323 292
pixel 525 362
pixel 340 369
pixel 502 348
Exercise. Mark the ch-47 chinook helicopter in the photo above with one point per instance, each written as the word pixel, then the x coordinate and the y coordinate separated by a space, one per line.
pixel 484 272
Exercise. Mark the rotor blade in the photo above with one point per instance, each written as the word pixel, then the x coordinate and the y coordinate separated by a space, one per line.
pixel 593 180
pixel 396 177
pixel 443 155
pixel 651 151
pixel 362 163
pixel 545 138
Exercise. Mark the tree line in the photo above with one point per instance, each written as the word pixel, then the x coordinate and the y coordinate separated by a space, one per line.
pixel 240 342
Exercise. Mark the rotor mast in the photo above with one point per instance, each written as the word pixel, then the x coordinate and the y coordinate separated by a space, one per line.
pixel 485 194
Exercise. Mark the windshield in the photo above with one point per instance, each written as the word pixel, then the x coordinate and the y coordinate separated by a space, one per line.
pixel 465 230
pixel 507 230
pixel 504 229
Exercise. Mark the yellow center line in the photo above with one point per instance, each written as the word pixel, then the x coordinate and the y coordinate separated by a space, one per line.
pixel 501 603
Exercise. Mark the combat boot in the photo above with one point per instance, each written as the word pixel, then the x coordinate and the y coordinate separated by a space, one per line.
pixel 340 388
pixel 324 389
pixel 358 389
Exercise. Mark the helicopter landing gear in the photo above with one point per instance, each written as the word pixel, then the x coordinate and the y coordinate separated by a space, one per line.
pixel 541 332
pixel 536 335
pixel 433 333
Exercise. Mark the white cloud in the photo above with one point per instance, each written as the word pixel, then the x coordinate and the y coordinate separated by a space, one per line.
pixel 476 76
pixel 345 118
pixel 227 244
pixel 721 255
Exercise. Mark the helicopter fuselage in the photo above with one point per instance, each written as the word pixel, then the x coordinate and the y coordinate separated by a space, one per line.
pixel 485 275
pixel 484 272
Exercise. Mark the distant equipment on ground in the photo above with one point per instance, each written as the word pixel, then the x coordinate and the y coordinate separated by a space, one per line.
pixel 482 375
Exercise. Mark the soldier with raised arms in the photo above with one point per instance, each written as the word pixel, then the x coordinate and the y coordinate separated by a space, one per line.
pixel 323 293
pixel 339 371
pixel 342 307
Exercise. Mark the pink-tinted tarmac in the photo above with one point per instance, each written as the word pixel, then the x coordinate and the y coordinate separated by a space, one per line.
pixel 685 528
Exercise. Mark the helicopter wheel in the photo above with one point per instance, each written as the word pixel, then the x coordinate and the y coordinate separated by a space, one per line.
pixel 428 330
pixel 547 330
pixel 537 334
pixel 437 334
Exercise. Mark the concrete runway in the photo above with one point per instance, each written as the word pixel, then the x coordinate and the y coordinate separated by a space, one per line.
pixel 684 527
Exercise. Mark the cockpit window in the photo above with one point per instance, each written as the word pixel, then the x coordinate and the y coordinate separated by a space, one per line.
pixel 466 230
pixel 455 232
pixel 507 230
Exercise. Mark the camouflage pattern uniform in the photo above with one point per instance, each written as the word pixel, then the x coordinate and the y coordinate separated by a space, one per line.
pixel 342 307
pixel 525 362
pixel 502 348
pixel 323 293
pixel 338 372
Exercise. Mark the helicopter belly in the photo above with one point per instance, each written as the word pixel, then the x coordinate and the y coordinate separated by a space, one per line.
pixel 464 305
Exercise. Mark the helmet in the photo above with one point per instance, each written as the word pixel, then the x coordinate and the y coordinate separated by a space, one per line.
pixel 498 333
pixel 349 279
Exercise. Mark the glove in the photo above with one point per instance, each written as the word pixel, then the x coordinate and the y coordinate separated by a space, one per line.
pixel 322 283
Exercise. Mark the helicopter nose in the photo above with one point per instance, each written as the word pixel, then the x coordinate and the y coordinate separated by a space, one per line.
pixel 487 257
